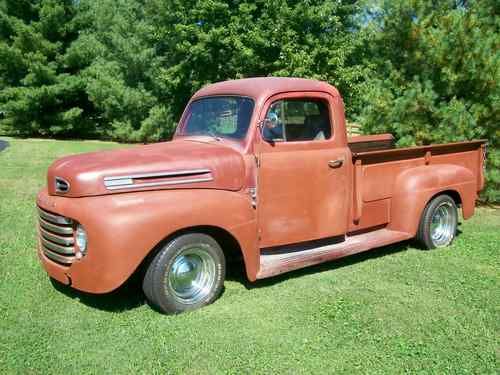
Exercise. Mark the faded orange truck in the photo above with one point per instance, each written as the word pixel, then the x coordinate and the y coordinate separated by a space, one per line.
pixel 259 169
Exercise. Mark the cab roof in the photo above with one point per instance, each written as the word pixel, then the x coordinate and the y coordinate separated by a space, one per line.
pixel 263 87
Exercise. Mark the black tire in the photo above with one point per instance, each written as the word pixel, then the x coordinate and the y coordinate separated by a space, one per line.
pixel 165 284
pixel 427 235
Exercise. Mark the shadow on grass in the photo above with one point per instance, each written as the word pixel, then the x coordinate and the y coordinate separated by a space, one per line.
pixel 129 296
pixel 3 145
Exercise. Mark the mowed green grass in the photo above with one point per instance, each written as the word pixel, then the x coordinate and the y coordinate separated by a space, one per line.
pixel 392 310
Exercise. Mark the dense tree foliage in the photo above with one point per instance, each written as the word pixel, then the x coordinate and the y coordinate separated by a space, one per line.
pixel 125 68
pixel 426 71
pixel 216 40
pixel 121 67
pixel 437 75
pixel 40 93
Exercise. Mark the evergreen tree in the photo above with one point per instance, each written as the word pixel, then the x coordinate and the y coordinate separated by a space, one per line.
pixel 438 74
pixel 40 94
pixel 119 66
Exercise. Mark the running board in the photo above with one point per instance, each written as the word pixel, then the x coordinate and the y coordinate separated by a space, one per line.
pixel 289 258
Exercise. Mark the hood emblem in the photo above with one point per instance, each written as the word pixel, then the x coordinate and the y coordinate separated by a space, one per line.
pixel 61 185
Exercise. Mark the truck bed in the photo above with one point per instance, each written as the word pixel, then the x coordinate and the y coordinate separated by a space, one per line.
pixel 377 165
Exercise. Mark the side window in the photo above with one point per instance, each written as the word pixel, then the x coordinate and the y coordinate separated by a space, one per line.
pixel 298 120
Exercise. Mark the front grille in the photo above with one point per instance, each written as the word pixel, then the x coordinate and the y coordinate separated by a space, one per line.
pixel 56 237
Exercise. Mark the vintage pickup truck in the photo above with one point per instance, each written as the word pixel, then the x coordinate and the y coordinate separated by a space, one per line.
pixel 259 169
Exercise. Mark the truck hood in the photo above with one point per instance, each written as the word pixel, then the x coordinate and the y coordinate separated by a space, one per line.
pixel 179 164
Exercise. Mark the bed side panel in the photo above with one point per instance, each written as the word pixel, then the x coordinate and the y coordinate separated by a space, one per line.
pixel 455 168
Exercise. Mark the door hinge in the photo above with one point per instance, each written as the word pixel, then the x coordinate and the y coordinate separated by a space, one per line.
pixel 253 196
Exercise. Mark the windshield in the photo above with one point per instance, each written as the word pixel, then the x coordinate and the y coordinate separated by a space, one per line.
pixel 221 116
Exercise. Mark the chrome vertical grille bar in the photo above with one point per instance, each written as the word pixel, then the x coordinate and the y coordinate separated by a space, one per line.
pixel 56 237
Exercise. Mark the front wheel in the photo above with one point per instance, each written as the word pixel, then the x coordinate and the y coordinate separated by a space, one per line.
pixel 438 224
pixel 186 274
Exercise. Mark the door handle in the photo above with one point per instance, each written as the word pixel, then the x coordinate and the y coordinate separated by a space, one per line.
pixel 335 163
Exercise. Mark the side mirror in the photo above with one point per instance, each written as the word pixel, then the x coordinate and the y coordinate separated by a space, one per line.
pixel 269 128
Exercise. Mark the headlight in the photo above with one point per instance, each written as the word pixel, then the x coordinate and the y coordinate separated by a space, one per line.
pixel 81 239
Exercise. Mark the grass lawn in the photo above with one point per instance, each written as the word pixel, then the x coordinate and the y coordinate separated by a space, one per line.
pixel 392 310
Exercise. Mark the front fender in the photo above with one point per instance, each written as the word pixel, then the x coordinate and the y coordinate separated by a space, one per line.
pixel 414 187
pixel 123 228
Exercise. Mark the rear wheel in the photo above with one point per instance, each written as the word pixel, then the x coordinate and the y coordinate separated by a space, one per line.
pixel 186 274
pixel 438 225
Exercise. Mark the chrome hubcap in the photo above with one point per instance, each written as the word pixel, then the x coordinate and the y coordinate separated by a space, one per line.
pixel 192 275
pixel 443 224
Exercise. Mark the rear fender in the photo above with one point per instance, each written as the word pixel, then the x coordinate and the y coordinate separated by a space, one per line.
pixel 415 187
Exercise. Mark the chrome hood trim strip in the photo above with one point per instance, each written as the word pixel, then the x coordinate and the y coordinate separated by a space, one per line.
pixel 127 181
pixel 159 174
pixel 151 184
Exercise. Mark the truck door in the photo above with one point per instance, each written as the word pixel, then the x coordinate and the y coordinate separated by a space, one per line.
pixel 303 181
